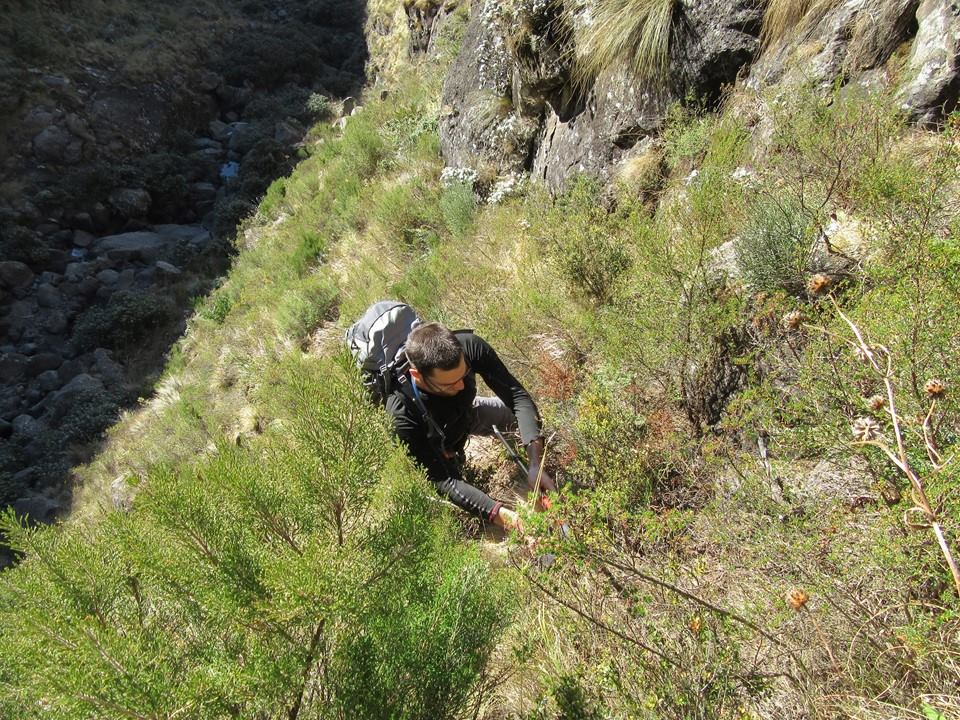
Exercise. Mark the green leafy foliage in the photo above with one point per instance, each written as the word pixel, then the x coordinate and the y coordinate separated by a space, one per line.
pixel 773 248
pixel 584 245
pixel 125 319
pixel 236 580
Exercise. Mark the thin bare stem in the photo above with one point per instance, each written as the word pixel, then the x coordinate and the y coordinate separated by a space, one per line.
pixel 928 440
pixel 918 493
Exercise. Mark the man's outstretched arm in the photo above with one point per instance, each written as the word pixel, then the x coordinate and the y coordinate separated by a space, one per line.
pixel 445 476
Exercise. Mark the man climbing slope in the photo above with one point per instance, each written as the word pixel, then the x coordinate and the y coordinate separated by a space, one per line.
pixel 438 409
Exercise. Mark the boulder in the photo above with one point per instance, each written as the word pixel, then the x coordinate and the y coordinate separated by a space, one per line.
pixel 219 130
pixel 127 247
pixel 38 508
pixel 56 322
pixel 15 275
pixel 82 221
pixel 288 132
pixel 243 136
pixel 477 116
pixel 83 239
pixel 203 192
pixel 47 382
pixel 75 272
pixel 130 202
pixel 108 276
pixel 619 112
pixel 48 296
pixel 60 402
pixel 848 38
pixel 53 144
pixel 511 103
pixel 26 426
pixel 69 370
pixel 43 362
pixel 56 260
pixel 232 97
pixel 106 368
pixel 933 68
pixel 166 271
pixel 13 367
pixel 207 144
pixel 126 279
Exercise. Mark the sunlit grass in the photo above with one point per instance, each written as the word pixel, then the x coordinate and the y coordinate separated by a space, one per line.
pixel 635 32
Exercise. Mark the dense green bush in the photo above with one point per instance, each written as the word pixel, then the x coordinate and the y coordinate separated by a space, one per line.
pixel 21 244
pixel 458 204
pixel 89 414
pixel 308 576
pixel 124 320
pixel 584 241
pixel 773 250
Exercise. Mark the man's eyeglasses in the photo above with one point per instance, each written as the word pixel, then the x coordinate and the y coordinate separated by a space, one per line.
pixel 451 385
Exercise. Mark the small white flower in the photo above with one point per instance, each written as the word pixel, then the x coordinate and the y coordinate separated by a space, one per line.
pixel 865 429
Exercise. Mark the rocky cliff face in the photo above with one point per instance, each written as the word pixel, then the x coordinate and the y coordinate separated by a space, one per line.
pixel 130 152
pixel 514 103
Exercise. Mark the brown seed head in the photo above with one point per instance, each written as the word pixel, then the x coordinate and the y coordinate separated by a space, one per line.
pixel 797 598
pixel 876 402
pixel 865 429
pixel 696 624
pixel 935 388
pixel 792 320
pixel 818 284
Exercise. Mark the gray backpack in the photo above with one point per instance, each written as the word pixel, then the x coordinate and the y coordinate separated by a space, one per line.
pixel 377 342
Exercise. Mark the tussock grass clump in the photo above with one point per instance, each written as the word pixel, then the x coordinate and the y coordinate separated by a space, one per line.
pixel 773 250
pixel 635 32
pixel 783 16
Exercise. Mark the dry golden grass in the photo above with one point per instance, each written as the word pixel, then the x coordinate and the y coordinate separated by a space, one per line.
pixel 635 32
pixel 784 16
pixel 644 172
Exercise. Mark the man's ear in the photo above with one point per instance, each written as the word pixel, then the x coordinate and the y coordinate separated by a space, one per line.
pixel 415 374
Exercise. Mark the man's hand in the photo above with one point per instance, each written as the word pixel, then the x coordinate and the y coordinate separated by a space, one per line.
pixel 538 479
pixel 508 520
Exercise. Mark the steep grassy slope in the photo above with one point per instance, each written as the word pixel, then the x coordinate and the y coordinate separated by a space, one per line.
pixel 733 553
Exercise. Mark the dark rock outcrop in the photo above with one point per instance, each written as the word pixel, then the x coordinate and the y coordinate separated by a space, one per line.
pixel 933 69
pixel 512 102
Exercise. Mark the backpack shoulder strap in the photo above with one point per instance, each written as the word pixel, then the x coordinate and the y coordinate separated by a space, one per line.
pixel 435 434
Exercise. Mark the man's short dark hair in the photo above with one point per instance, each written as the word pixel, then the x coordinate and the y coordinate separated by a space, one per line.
pixel 431 347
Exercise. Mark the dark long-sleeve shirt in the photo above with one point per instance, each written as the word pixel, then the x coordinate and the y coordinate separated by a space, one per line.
pixel 454 415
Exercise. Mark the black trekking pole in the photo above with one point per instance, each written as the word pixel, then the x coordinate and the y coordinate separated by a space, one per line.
pixel 563 527
pixel 510 451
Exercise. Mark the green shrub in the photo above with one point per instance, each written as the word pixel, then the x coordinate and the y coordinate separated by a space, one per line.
pixel 217 307
pixel 308 253
pixel 123 321
pixel 407 212
pixel 23 245
pixel 458 205
pixel 90 413
pixel 363 147
pixel 773 249
pixel 229 213
pixel 318 107
pixel 584 242
pixel 303 308
pixel 307 576
pixel 273 199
